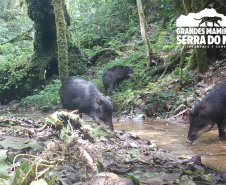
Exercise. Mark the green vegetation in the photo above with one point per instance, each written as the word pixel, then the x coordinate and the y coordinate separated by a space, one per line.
pixel 14 56
pixel 47 99
pixel 43 42
pixel 98 24
pixel 113 25
pixel 101 34
pixel 143 92
pixel 13 62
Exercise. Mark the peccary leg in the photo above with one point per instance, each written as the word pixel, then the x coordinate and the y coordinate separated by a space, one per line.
pixel 111 88
pixel 221 128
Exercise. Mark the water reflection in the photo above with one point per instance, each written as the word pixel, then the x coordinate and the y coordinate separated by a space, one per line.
pixel 24 113
pixel 172 137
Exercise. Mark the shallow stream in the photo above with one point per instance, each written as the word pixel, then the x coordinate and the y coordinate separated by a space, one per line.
pixel 166 135
pixel 172 137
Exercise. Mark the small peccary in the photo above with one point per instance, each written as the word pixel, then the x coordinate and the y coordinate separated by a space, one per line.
pixel 114 75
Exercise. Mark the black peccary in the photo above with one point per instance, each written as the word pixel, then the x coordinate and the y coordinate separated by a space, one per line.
pixel 210 111
pixel 76 93
pixel 114 75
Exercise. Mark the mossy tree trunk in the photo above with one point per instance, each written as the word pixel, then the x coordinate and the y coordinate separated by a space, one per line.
pixel 199 56
pixel 45 46
pixel 61 28
pixel 52 42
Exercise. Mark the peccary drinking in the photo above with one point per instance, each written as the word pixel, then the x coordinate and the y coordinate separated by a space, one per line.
pixel 76 93
pixel 210 111
pixel 114 75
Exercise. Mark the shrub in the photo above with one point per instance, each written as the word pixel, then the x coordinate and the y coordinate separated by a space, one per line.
pixel 47 99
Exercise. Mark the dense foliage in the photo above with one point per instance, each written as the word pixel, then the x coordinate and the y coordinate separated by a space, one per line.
pixel 47 99
pixel 112 26
pixel 106 24
pixel 14 56
pixel 96 22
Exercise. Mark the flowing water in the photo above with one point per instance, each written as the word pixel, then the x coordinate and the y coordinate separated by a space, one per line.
pixel 166 135
pixel 172 137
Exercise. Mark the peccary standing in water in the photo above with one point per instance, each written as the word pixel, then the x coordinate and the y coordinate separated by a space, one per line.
pixel 210 111
pixel 76 93
pixel 114 75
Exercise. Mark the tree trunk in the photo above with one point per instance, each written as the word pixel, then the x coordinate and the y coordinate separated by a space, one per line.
pixel 192 62
pixel 187 5
pixel 51 45
pixel 177 4
pixel 173 61
pixel 201 56
pixel 45 46
pixel 61 40
pixel 143 27
pixel 201 60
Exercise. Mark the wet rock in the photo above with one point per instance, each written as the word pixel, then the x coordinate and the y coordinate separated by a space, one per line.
pixel 133 145
pixel 68 174
pixel 109 179
pixel 223 176
pixel 158 178
pixel 202 183
pixel 120 168
pixel 200 84
pixel 194 164
pixel 126 144
pixel 44 135
pixel 139 117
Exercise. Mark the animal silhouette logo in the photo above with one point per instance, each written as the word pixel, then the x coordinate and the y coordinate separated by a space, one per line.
pixel 214 20
pixel 203 29
pixel 205 18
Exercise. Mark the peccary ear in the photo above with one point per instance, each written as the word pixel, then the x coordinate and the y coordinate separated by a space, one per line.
pixel 99 101
pixel 204 106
